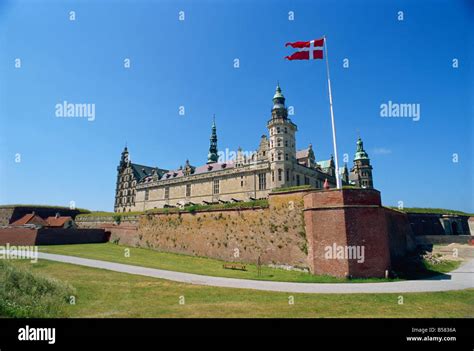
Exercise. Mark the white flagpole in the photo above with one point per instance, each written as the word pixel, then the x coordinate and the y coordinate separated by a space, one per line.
pixel 338 177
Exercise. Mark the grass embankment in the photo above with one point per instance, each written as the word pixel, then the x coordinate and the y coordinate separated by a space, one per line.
pixel 25 294
pixel 430 210
pixel 201 265
pixel 102 293
pixel 190 208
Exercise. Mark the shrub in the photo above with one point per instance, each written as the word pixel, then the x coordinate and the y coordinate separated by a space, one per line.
pixel 24 294
pixel 117 218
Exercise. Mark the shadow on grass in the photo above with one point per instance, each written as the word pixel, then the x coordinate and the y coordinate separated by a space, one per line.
pixel 416 267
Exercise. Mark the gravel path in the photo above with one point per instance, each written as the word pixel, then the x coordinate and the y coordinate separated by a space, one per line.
pixel 461 278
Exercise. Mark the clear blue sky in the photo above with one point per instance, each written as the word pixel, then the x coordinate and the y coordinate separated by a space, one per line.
pixel 190 63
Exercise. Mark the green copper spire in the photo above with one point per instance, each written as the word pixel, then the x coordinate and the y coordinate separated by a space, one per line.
pixel 360 153
pixel 278 98
pixel 212 156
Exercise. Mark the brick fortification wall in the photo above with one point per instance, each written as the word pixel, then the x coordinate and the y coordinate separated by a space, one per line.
pixel 293 231
pixel 276 234
pixel 51 236
pixel 353 218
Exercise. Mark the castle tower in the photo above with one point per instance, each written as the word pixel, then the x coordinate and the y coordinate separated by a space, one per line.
pixel 121 192
pixel 212 157
pixel 282 148
pixel 124 159
pixel 362 170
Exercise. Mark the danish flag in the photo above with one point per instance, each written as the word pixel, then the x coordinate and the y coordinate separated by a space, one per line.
pixel 307 50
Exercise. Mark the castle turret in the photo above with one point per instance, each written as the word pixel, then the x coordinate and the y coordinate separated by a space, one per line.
pixel 361 172
pixel 212 157
pixel 122 198
pixel 124 158
pixel 282 150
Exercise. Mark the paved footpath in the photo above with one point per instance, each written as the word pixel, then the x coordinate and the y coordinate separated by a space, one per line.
pixel 461 278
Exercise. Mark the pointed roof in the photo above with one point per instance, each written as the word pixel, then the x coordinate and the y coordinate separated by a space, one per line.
pixel 278 98
pixel 30 218
pixel 360 153
pixel 212 155
pixel 54 221
pixel 141 171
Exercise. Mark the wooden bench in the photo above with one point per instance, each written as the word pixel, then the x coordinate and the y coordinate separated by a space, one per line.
pixel 234 266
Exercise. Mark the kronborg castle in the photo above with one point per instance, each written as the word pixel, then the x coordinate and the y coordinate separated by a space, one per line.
pixel 275 164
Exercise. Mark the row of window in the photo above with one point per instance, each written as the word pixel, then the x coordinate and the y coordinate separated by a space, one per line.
pixel 297 178
pixel 262 185
pixel 280 155
pixel 126 192
pixel 279 140
pixel 125 185
pixel 277 130
pixel 187 191
pixel 125 201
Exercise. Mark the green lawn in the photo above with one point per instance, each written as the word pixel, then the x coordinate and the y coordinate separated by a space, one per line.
pixel 207 266
pixel 189 264
pixel 101 293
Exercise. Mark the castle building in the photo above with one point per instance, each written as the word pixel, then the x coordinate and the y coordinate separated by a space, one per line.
pixel 275 164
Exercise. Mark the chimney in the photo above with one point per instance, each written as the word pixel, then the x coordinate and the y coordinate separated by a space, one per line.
pixel 57 215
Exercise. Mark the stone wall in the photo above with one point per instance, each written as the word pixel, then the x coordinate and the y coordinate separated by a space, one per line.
pixel 439 224
pixel 294 230
pixel 276 234
pixel 428 240
pixel 104 221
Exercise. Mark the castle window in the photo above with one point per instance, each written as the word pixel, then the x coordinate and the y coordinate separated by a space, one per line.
pixel 262 181
pixel 188 189
pixel 241 183
pixel 286 130
pixel 263 153
pixel 297 180
pixel 167 192
pixel 286 157
pixel 273 159
pixel 147 194
pixel 287 175
pixel 286 142
pixel 278 130
pixel 279 156
pixel 306 181
pixel 278 142
pixel 215 188
pixel 279 175
pixel 273 176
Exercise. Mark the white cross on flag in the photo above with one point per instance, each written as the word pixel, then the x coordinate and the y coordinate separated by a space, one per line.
pixel 307 50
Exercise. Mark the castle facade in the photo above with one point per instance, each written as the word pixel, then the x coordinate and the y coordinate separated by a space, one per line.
pixel 275 164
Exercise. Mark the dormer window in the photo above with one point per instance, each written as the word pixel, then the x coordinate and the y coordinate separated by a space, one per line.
pixel 209 168
pixel 224 165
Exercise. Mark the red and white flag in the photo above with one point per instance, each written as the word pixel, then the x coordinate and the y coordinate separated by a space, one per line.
pixel 307 50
